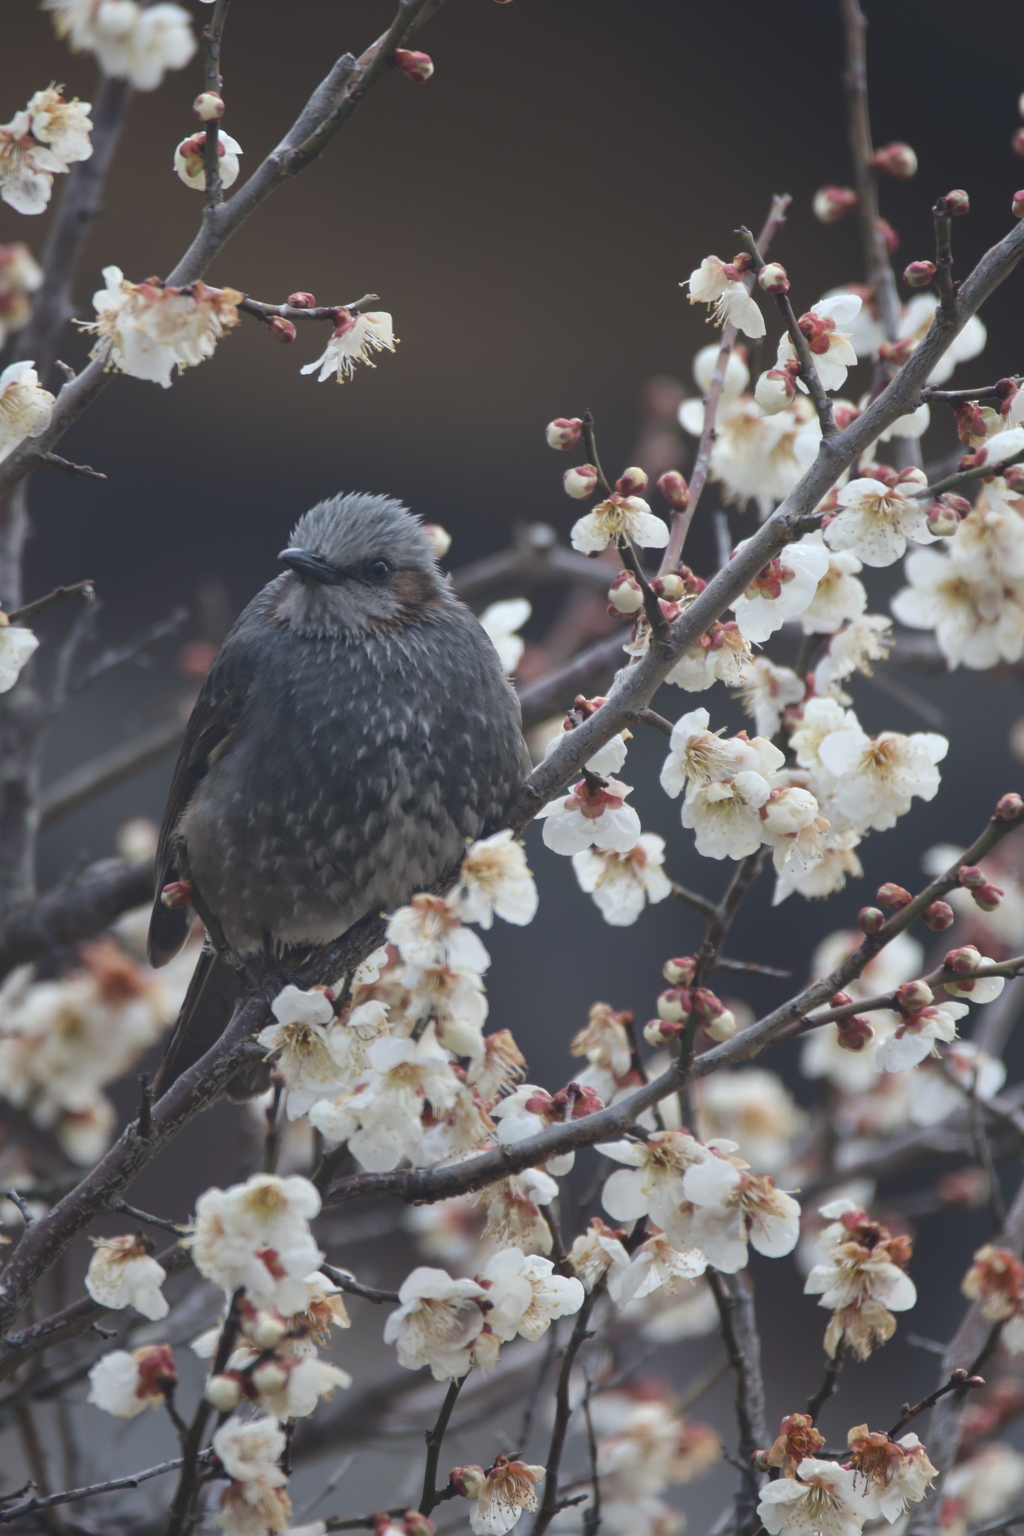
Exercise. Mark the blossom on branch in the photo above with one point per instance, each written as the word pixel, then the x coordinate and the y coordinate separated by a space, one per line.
pixel 876 518
pixel 621 883
pixel 593 813
pixel 831 349
pixel 190 165
pixel 127 1384
pixel 309 1047
pixel 352 341
pixel 783 590
pixel 733 1207
pixel 822 1499
pixel 620 517
pixel 132 42
pixel 495 881
pixel 877 776
pixel 17 644
pixel 890 1473
pixel 719 284
pixel 123 1273
pixel 500 622
pixel 150 329
pixel 863 1279
pixel 436 1324
pixel 26 409
pixel 500 1495
pixel 20 277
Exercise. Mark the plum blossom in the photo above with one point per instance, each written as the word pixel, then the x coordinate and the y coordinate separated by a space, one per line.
pixel 20 277
pixel 890 1473
pixel 916 1034
pixel 792 826
pixel 782 590
pixel 723 654
pixel 27 167
pixel 734 1208
pixel 621 883
pixel 699 757
pixel 549 1295
pixel 978 621
pixel 981 1488
pixel 818 719
pixel 645 1445
pixel 652 1182
pixel 127 1384
pixel 514 1218
pixel 589 816
pixel 840 596
pixel 831 348
pixel 123 1273
pixel 822 1056
pixel 835 863
pixel 862 1278
pixel 597 1252
pixel 725 817
pixel 288 1387
pixel 500 1066
pixel 17 644
pixel 130 41
pixel 190 162
pixel 605 1042
pixel 754 456
pixel 978 989
pixel 304 1040
pixel 63 126
pixel 256 1508
pixel 719 284
pixel 607 759
pixel 656 1265
pixel 257 1235
pixel 500 622
pixel 352 341
pixel 381 1120
pixel 146 329
pixel 853 649
pixel 436 1323
pixel 766 691
pixel 427 933
pixel 499 1495
pixel 969 342
pixel 26 409
pixel 619 517
pixel 877 776
pixel 875 519
pixel 971 1070
pixel 250 1451
pixel 454 999
pixel 823 1499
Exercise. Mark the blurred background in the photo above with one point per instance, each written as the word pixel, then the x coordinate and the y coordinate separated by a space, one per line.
pixel 527 218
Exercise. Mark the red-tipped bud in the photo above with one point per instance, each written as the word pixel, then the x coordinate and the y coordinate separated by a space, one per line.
pixel 893 896
pixel 840 1000
pixel 468 1481
pixel 1010 808
pixel 624 594
pixel 270 1377
pixel 962 960
pixel 674 1005
pixel 919 274
pixel 418 66
pixel 672 587
pixel 970 876
pixel 833 203
pixel 718 1022
pixel 987 897
pixel 775 390
pixel 957 203
pixel 944 515
pixel 658 1032
pixel 854 1033
pixel 563 432
pixel 674 489
pixel 283 330
pixel 773 279
pixel 580 481
pixel 939 916
pixel 632 482
pixel 302 301
pixel 680 970
pixel 439 539
pixel 912 996
pixel 896 160
pixel 1017 206
pixel 413 1523
pixel 177 894
pixel 208 107
pixel 870 919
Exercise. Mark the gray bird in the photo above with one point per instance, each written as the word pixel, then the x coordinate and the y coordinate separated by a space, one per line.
pixel 354 731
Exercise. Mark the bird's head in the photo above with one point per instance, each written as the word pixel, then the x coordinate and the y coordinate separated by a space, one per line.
pixel 357 562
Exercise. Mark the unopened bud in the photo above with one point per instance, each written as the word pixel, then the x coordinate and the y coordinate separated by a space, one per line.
pixel 833 203
pixel 942 517
pixel 283 330
pixel 970 876
pixel 270 1377
pixel 208 107
pixel 580 481
pixel 840 1000
pixel 418 66
pixel 987 897
pixel 961 960
pixel 1010 808
pixel 718 1022
pixel 854 1033
pixel 759 1461
pixel 775 390
pixel 223 1393
pixel 631 482
pixel 893 896
pixel 897 160
pixel 302 301
pixel 912 996
pixel 679 971
pixel 939 916
pixel 674 489
pixel 657 1032
pixel 439 539
pixel 563 432
pixel 870 919
pixel 1017 206
pixel 672 587
pixel 413 1523
pixel 957 203
pixel 468 1481
pixel 268 1330
pixel 177 894
pixel 674 1005
pixel 773 279
pixel 624 594
pixel 919 274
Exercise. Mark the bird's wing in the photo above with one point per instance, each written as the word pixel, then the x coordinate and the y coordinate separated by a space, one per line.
pixel 218 713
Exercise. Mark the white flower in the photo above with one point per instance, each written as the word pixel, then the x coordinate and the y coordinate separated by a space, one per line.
pixel 598 1252
pixel 27 167
pixel 514 1218
pixel 726 816
pixel 151 329
pixel 782 590
pixel 63 126
pixel 876 520
pixel 766 690
pixel 734 1208
pixel 876 777
pixel 500 1495
pixel 20 277
pixel 517 1121
pixel 495 881
pixel 309 1046
pixel 916 1035
pixel 977 622
pixel 969 342
pixel 754 456
pixel 721 655
pixel 652 1183
pixel 16 646
pixel 607 759
pixel 122 1273
pixel 854 1275
pixel 544 1294
pixel 617 518
pixel 257 1235
pixel 840 596
pixel 190 163
pixel 428 933
pixel 251 1451
pixel 131 42
pixel 737 374
pixel 369 971
pixel 436 1324
pixel 352 341
pixel 621 883
pixel 500 621
pixel 454 999
pixel 25 407
pixel 656 1265
pixel 381 1121
pixel 980 989
pixel 822 1500
pixel 989 542
pixel 291 1388
pixel 699 757
pixel 718 283
pixel 127 1384
pixel 831 349
pixel 792 826
pixel 890 1474
pixel 935 1096
pixel 982 1488
pixel 257 1507
pixel 853 649
pixel 836 861
pixel 819 718
pixel 589 816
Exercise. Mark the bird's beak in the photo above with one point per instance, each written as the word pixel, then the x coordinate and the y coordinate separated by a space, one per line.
pixel 310 567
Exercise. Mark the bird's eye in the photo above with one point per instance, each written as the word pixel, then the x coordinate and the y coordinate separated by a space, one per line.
pixel 379 571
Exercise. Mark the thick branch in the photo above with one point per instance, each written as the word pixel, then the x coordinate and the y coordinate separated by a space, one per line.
pixel 78 908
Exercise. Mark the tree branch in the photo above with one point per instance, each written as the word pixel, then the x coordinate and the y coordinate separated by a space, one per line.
pixel 78 908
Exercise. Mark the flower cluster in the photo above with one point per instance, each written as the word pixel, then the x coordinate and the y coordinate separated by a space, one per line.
pixel 43 140
pixel 862 1278
pixel 148 329
pixel 132 42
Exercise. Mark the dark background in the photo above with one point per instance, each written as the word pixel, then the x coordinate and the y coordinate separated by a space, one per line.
pixel 527 217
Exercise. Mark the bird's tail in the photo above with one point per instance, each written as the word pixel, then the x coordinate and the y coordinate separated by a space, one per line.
pixel 204 1015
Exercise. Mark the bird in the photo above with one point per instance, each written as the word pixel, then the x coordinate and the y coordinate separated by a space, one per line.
pixel 355 732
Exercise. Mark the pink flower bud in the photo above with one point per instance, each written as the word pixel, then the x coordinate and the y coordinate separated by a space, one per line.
pixel 893 896
pixel 302 301
pixel 961 960
pixel 854 1033
pixel 439 539
pixel 773 279
pixel 223 1393
pixel 413 1523
pixel 270 1377
pixel 283 330
pixel 624 594
pixel 919 274
pixel 680 971
pixel 631 482
pixel 657 1032
pixel 833 203
pixel 674 489
pixel 840 1000
pixel 987 897
pixel 870 919
pixel 896 160
pixel 468 1480
pixel 957 202
pixel 177 894
pixel 912 996
pixel 208 107
pixel 970 875
pixel 1017 206
pixel 580 482
pixel 1010 808
pixel 719 1023
pixel 939 916
pixel 674 1005
pixel 775 390
pixel 563 432
pixel 671 586
pixel 944 516
pixel 418 66
pixel 268 1330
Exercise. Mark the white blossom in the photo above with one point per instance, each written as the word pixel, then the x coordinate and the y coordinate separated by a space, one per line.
pixel 831 349
pixel 456 1001
pixel 256 1235
pixel 352 341
pixel 754 1108
pixel 130 41
pixel 782 591
pixel 877 776
pixel 123 1273
pixel 822 1500
pixel 20 277
pixel 27 167
pixel 734 1208
pixel 436 1323
pixel 717 283
pixel 545 1295
pixel 977 621
pixel 151 329
pixel 190 161
pixel 852 649
pixel 840 596
pixel 722 655
pixel 915 322
pixel 792 826
pixel 890 1474
pixel 617 518
pixel 495 881
pixel 766 691
pixel 754 456
pixel 63 126
pixel 875 520
pixel 305 1040
pixel 607 759
pixel 428 933
pixel 514 1218
pixel 598 1252
pixel 589 816
pixel 17 644
pixel 916 1034
pixel 972 1071
pixel 699 757
pixel 652 1182
pixel 725 817
pixel 500 1495
pixel 127 1384
pixel 381 1120
pixel 621 883
pixel 26 408
pixel 656 1265
pixel 251 1451
pixel 500 622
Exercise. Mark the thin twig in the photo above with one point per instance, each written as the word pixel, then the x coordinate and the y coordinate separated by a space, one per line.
pixel 144 1216
pixel 435 1440
pixel 30 610
pixel 563 1410
pixel 69 467
pixel 32 1504
pixel 213 81
pixel 828 1387
pixel 959 1381
pixel 351 1286
pixel 191 1446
